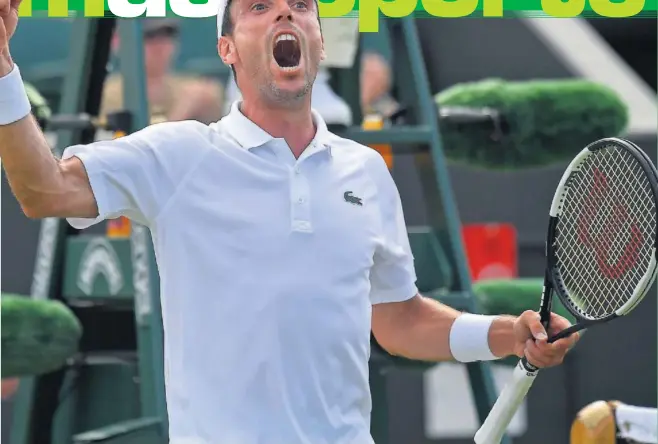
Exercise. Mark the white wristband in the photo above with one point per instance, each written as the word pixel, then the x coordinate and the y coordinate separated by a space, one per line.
pixel 469 338
pixel 14 103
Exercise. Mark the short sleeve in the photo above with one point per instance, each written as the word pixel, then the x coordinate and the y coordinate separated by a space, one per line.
pixel 136 175
pixel 393 275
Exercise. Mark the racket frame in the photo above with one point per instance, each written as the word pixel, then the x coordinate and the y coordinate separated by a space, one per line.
pixel 553 274
pixel 524 374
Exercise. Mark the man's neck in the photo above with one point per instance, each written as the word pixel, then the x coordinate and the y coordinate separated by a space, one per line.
pixel 295 126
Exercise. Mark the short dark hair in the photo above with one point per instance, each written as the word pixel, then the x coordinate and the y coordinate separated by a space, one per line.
pixel 227 23
pixel 227 30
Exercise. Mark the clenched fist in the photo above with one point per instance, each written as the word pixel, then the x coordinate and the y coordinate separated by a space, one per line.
pixel 8 22
pixel 532 339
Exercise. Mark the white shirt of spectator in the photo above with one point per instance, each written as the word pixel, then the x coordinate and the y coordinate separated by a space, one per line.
pixel 269 266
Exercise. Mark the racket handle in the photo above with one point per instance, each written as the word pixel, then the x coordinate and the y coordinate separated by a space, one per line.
pixel 508 402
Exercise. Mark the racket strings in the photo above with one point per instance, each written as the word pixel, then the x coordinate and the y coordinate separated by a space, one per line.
pixel 605 232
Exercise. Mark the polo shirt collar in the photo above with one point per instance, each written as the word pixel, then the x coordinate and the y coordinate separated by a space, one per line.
pixel 249 135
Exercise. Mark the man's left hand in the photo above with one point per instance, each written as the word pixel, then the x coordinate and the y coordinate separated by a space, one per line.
pixel 531 339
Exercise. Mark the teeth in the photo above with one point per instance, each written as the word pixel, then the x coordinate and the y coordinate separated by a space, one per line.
pixel 289 68
pixel 285 37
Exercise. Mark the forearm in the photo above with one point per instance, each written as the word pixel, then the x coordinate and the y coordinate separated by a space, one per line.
pixel 31 169
pixel 423 332
pixel 501 336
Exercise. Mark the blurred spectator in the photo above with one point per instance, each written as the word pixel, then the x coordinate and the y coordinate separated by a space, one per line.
pixel 376 80
pixel 9 387
pixel 171 96
pixel 376 72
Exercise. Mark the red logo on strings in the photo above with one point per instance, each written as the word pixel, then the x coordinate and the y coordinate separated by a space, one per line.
pixel 603 243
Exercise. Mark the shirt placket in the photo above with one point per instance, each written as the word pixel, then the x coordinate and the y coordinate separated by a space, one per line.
pixel 300 204
pixel 300 191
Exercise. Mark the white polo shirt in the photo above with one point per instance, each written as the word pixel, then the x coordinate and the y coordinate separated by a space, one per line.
pixel 268 266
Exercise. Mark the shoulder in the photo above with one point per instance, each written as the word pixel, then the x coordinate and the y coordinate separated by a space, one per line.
pixel 188 139
pixel 185 134
pixel 161 155
pixel 353 152
pixel 180 138
pixel 372 164
pixel 169 143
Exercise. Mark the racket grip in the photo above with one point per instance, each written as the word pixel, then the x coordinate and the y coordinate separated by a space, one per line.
pixel 508 402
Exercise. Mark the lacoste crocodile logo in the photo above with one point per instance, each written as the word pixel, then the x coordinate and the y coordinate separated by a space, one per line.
pixel 352 199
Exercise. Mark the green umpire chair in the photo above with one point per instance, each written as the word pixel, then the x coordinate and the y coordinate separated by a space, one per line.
pixel 113 392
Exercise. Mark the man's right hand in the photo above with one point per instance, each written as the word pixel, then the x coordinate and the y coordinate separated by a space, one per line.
pixel 8 23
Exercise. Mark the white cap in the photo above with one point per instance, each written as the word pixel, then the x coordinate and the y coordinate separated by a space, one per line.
pixel 221 8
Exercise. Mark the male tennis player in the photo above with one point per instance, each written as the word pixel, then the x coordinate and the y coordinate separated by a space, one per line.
pixel 279 245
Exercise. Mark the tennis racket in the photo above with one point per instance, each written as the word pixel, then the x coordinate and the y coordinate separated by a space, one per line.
pixel 600 253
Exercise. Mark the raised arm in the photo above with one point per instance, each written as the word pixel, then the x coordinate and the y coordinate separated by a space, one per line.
pixel 43 185
pixel 133 176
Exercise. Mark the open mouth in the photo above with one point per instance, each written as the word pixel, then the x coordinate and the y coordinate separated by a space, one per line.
pixel 287 52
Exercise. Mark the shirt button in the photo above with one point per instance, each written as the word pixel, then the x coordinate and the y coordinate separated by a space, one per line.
pixel 296 170
pixel 301 200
